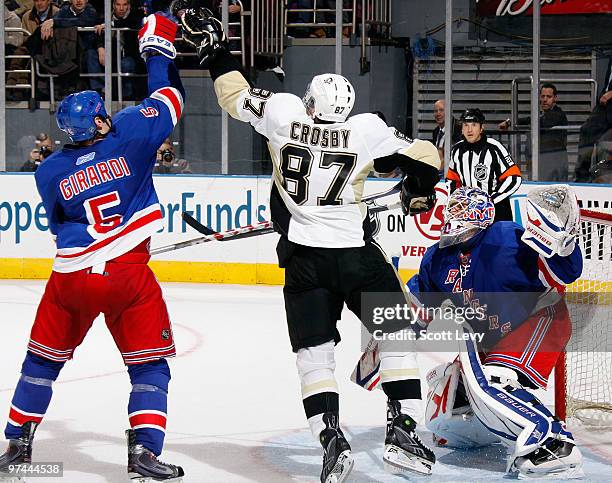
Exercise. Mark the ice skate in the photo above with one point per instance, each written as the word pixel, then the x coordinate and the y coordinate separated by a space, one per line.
pixel 404 450
pixel 143 465
pixel 337 459
pixel 19 452
pixel 557 459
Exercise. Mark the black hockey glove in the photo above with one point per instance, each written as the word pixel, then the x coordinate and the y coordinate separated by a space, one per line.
pixel 416 198
pixel 202 30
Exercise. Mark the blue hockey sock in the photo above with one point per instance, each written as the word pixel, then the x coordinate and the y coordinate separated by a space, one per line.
pixel 32 394
pixel 148 403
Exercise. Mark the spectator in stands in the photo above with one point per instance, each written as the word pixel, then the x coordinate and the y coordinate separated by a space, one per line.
pixel 168 163
pixel 12 40
pixel 597 124
pixel 553 164
pixel 234 9
pixel 439 133
pixel 328 16
pixel 31 20
pixel 78 13
pixel 41 11
pixel 124 16
pixel 44 148
pixel 19 6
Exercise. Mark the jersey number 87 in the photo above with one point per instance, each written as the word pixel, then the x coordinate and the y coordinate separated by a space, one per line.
pixel 296 166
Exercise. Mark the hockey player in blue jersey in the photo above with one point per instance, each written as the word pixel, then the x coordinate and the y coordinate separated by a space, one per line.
pixel 102 209
pixel 517 275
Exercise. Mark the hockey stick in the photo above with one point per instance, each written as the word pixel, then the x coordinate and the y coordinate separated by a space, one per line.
pixel 199 227
pixel 389 207
pixel 236 234
pixel 261 228
pixel 196 225
pixel 394 189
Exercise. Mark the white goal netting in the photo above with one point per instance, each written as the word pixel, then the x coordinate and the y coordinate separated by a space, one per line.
pixel 587 393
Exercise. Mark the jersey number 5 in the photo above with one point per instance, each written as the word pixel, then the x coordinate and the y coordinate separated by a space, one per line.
pixel 296 165
pixel 98 223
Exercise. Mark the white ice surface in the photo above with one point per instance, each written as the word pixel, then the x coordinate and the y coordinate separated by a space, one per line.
pixel 235 413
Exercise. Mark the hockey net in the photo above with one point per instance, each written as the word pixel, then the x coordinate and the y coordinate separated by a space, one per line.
pixel 584 374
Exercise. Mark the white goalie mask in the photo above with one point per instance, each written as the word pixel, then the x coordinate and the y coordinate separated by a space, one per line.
pixel 329 97
pixel 467 213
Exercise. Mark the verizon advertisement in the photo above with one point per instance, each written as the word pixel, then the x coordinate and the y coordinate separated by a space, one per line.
pixel 499 8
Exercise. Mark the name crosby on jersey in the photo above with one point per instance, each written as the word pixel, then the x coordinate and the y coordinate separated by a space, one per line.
pixel 313 135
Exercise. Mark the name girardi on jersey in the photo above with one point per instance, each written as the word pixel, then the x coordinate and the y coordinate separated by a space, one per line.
pixel 313 135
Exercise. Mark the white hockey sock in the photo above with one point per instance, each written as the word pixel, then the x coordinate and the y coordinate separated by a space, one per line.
pixel 316 425
pixel 413 408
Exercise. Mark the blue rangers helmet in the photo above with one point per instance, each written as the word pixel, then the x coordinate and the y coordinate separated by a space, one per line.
pixel 76 113
pixel 467 213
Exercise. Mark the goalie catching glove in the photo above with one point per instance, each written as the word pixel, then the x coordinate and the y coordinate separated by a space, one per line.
pixel 553 220
pixel 202 30
pixel 157 37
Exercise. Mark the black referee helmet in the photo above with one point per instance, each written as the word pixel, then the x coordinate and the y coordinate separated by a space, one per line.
pixel 472 115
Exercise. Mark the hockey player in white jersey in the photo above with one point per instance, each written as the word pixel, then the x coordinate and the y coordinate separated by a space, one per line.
pixel 321 159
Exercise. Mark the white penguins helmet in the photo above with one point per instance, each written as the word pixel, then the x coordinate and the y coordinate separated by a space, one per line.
pixel 329 97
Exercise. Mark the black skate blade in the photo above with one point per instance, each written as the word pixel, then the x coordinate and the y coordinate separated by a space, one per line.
pixel 397 461
pixel 342 468
pixel 138 478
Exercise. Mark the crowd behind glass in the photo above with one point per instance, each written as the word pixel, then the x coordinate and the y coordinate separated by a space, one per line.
pixel 48 32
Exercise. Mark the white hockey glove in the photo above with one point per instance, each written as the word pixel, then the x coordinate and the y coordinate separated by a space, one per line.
pixel 157 37
pixel 553 220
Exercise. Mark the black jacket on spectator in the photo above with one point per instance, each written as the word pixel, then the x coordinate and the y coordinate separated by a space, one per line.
pixel 59 54
pixel 555 140
pixel 553 165
pixel 129 40
pixel 597 124
pixel 456 136
pixel 66 17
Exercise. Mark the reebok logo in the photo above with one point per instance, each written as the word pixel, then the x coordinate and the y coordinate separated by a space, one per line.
pixel 85 158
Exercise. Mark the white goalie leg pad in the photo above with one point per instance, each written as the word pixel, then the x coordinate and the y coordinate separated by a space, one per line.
pixel 455 427
pixel 316 366
pixel 518 424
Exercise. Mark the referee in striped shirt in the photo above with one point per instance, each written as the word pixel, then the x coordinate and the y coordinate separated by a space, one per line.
pixel 482 162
